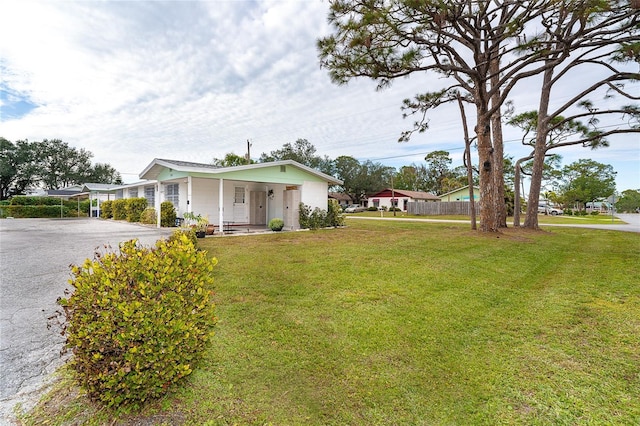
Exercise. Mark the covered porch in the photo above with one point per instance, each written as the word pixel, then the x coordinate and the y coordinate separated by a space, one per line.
pixel 242 196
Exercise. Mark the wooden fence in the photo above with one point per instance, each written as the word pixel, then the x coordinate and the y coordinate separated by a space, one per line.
pixel 440 208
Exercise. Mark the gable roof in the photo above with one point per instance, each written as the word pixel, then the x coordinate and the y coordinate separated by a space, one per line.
pixel 153 170
pixel 459 189
pixel 100 187
pixel 340 196
pixel 416 195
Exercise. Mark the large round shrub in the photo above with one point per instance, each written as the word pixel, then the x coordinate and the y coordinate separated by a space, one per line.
pixel 119 209
pixel 135 207
pixel 167 214
pixel 276 224
pixel 106 209
pixel 139 319
pixel 149 216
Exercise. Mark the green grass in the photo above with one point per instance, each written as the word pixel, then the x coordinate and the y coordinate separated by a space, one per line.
pixel 412 323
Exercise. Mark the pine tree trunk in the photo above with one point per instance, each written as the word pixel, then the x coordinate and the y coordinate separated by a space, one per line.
pixel 488 192
pixel 539 151
pixel 467 161
pixel 516 196
pixel 498 154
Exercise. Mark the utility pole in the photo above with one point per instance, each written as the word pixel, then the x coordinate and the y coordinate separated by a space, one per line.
pixel 248 152
pixel 393 196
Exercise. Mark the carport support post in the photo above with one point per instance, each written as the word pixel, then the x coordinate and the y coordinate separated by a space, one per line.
pixel 158 204
pixel 221 206
pixel 189 190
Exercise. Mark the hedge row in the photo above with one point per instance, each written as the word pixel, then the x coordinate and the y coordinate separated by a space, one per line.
pixel 129 209
pixel 34 201
pixel 36 211
pixel 47 201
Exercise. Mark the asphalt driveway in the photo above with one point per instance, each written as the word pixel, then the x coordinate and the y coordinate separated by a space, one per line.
pixel 35 255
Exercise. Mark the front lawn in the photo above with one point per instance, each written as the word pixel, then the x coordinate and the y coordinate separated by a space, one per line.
pixel 412 323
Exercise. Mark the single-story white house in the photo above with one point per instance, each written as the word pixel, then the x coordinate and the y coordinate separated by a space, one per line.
pixel 400 198
pixel 251 194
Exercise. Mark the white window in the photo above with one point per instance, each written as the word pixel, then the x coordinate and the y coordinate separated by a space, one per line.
pixel 171 193
pixel 119 194
pixel 239 195
pixel 150 195
pixel 133 192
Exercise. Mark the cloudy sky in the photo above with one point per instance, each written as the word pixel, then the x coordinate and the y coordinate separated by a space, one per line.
pixel 131 81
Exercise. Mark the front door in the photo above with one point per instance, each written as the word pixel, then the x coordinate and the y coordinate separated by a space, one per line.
pixel 239 206
pixel 258 206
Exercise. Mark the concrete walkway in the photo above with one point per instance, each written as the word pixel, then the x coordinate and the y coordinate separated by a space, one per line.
pixel 35 255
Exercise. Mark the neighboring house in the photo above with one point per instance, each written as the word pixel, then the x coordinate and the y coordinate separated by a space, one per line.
pixel 598 206
pixel 250 194
pixel 95 192
pixel 343 199
pixel 461 194
pixel 400 198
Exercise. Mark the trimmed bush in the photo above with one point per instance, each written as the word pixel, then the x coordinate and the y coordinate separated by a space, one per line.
pixel 595 213
pixel 106 209
pixel 318 218
pixel 167 214
pixel 135 207
pixel 335 217
pixel 189 232
pixel 119 208
pixel 148 216
pixel 276 224
pixel 304 216
pixel 139 319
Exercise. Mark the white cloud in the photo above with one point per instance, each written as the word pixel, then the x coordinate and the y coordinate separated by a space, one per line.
pixel 130 81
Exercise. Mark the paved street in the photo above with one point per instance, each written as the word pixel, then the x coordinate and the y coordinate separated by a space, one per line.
pixel 35 255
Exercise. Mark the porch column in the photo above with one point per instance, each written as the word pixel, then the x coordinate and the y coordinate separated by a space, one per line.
pixel 158 204
pixel 221 206
pixel 189 198
pixel 267 204
pixel 90 204
pixel 98 204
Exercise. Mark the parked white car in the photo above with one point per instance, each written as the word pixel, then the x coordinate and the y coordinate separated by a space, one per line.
pixel 354 209
pixel 548 209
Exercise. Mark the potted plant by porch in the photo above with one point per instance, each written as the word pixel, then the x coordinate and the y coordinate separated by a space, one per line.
pixel 197 222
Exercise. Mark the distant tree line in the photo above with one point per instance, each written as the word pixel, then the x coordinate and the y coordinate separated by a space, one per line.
pixel 48 164
pixel 572 185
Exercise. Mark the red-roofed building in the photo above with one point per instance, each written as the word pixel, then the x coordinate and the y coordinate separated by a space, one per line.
pixel 398 198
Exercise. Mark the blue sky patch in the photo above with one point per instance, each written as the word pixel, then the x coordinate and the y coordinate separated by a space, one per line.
pixel 14 105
